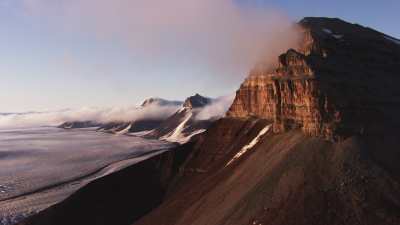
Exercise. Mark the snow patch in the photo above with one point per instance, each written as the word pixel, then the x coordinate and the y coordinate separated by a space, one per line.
pixel 330 32
pixel 4 189
pixel 124 131
pixel 250 145
pixel 394 40
pixel 327 31
pixel 187 138
pixel 176 135
pixel 182 109
pixel 140 133
pixel 338 36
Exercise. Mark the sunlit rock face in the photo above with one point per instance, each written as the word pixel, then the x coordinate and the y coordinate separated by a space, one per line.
pixel 338 82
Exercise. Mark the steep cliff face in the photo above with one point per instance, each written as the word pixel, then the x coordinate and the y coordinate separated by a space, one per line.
pixel 339 81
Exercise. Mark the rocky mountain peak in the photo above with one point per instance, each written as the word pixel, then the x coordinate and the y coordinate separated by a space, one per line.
pixel 159 101
pixel 196 101
pixel 341 77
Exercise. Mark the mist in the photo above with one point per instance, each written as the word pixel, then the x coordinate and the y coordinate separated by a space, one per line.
pixel 220 35
pixel 97 114
pixel 216 109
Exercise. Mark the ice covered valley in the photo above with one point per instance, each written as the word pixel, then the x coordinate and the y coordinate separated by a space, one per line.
pixel 42 166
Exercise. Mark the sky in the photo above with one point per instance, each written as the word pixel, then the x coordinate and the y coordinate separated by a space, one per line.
pixel 58 54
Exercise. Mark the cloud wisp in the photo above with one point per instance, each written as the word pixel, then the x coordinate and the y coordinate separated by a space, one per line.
pixel 103 115
pixel 221 35
pixel 216 109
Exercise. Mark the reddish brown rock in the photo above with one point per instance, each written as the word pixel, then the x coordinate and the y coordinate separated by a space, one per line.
pixel 339 81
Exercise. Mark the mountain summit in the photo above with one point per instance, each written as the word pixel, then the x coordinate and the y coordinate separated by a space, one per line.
pixel 159 101
pixel 196 101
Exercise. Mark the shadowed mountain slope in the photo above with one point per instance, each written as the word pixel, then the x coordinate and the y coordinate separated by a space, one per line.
pixel 183 124
pixel 289 178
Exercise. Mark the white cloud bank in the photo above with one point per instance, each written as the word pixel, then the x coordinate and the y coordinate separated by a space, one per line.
pixel 216 109
pixel 54 118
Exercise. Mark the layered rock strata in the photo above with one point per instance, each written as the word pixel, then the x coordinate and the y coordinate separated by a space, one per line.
pixel 339 80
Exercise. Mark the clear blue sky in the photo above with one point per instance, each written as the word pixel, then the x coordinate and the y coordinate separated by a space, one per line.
pixel 48 68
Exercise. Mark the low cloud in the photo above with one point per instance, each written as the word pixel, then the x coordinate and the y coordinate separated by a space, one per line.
pixel 54 118
pixel 216 109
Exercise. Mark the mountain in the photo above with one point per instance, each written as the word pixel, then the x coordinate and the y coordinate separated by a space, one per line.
pixel 150 111
pixel 173 126
pixel 183 125
pixel 159 101
pixel 313 140
pixel 196 101
pixel 145 123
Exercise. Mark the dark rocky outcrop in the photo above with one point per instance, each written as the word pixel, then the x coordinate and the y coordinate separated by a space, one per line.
pixel 79 124
pixel 196 101
pixel 131 127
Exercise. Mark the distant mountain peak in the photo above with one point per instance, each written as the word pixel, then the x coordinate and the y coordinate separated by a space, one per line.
pixel 159 101
pixel 196 101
